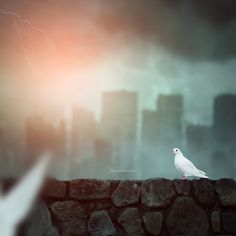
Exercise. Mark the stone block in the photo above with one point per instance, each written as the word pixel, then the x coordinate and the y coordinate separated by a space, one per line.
pixel 157 193
pixel 153 222
pixel 187 218
pixel 89 189
pixel 127 192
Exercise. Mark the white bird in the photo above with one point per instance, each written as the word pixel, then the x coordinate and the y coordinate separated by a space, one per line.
pixel 16 205
pixel 186 167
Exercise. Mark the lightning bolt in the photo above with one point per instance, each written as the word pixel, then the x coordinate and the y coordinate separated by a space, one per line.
pixel 19 36
pixel 18 19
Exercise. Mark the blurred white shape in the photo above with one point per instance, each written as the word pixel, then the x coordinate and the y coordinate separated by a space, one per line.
pixel 16 205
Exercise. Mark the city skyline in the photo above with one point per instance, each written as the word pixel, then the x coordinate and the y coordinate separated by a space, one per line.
pixel 112 143
pixel 97 112
pixel 58 59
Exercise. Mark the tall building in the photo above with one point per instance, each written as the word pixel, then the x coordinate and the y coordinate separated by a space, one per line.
pixel 165 124
pixel 119 126
pixel 35 137
pixel 150 128
pixel 224 128
pixel 84 133
pixel 199 136
pixel 162 130
pixel 103 152
pixel 225 118
pixel 200 144
pixel 43 136
pixel 170 113
pixel 5 158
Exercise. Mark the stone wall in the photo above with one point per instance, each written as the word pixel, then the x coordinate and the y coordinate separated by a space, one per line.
pixel 149 207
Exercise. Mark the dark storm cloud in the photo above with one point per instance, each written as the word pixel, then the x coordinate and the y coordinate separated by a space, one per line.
pixel 193 29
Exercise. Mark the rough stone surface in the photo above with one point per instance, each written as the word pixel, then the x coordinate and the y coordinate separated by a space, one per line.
pixel 39 222
pixel 229 221
pixel 187 218
pixel 215 221
pixel 114 207
pixel 115 212
pixel 54 189
pixel 114 184
pixel 182 187
pixel 100 224
pixel 153 222
pixel 225 234
pixel 204 192
pixel 226 189
pixel 157 192
pixel 126 193
pixel 70 216
pixel 89 189
pixel 131 221
pixel 99 205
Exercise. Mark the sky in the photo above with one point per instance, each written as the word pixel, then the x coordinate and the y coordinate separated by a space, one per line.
pixel 57 54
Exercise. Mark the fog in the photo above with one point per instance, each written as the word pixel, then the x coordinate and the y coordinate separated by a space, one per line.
pixel 71 53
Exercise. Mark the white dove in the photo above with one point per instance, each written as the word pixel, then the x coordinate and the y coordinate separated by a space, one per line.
pixel 186 167
pixel 16 205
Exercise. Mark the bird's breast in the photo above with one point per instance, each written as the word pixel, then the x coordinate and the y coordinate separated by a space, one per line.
pixel 178 161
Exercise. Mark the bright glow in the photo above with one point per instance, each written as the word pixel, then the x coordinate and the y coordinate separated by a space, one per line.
pixel 36 29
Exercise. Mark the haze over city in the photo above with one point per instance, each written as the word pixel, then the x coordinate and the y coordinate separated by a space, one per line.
pixel 56 58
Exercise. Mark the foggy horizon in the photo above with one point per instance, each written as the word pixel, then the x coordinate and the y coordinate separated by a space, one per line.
pixel 59 55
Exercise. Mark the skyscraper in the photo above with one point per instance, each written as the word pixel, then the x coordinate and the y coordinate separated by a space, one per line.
pixel 150 128
pixel 170 114
pixel 43 136
pixel 119 126
pixel 162 129
pixel 103 152
pixel 225 118
pixel 84 133
pixel 35 137
pixel 165 124
pixel 199 136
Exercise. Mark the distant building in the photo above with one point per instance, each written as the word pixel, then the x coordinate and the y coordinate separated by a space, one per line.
pixel 199 136
pixel 1 135
pixel 165 124
pixel 43 136
pixel 119 126
pixel 84 133
pixel 103 152
pixel 151 127
pixel 12 149
pixel 162 130
pixel 103 149
pixel 5 158
pixel 170 112
pixel 224 130
pixel 35 137
pixel 225 118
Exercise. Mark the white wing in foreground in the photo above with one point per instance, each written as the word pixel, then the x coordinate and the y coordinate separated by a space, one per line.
pixel 15 206
pixel 188 168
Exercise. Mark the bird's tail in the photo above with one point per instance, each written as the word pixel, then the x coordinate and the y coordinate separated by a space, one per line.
pixel 202 174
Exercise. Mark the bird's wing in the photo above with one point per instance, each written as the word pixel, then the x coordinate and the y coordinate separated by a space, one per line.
pixel 18 202
pixel 188 167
